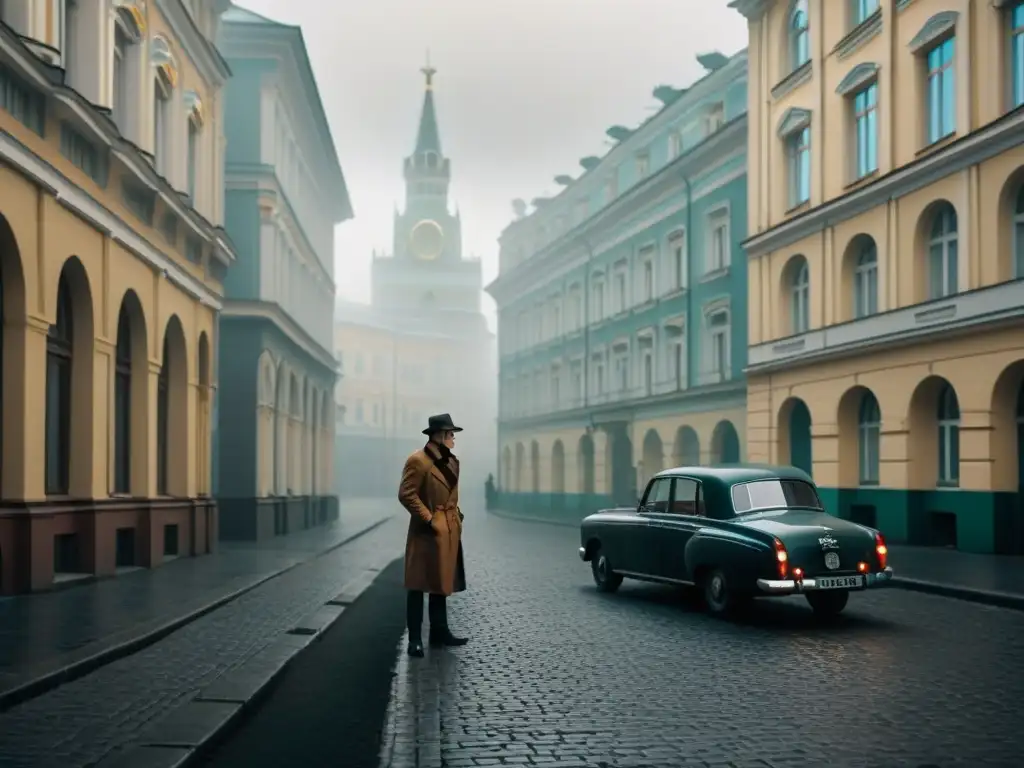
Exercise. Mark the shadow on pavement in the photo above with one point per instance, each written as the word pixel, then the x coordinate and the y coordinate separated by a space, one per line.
pixel 780 615
pixel 330 704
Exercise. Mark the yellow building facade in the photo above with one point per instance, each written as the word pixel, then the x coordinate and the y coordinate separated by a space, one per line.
pixel 886 257
pixel 112 262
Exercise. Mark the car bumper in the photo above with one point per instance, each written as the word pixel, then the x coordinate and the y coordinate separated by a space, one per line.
pixel 792 586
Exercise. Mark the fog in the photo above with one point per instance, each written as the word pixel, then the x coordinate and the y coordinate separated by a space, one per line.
pixel 523 90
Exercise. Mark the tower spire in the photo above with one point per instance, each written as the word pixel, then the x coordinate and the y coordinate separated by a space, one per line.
pixel 428 138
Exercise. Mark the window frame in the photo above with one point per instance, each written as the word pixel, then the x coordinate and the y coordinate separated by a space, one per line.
pixel 798 162
pixel 798 35
pixel 948 243
pixel 865 283
pixel 869 440
pixel 800 298
pixel 864 104
pixel 936 113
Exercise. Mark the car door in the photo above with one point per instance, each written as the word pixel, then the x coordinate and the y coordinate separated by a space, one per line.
pixel 647 538
pixel 678 526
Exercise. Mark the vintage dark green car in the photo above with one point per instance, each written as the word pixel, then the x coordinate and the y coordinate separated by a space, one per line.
pixel 736 532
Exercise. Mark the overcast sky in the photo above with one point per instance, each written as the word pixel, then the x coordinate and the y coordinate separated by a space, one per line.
pixel 524 89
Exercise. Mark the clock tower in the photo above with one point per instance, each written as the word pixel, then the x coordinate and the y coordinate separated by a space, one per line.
pixel 426 274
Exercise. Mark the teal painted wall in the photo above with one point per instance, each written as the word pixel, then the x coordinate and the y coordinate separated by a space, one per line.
pixel 242 127
pixel 242 223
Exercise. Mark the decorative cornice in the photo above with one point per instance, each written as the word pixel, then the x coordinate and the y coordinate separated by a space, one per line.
pixel 856 78
pixel 752 9
pixel 273 312
pixel 937 26
pixel 794 119
pixel 859 35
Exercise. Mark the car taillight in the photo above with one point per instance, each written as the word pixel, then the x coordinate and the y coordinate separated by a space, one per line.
pixel 782 558
pixel 882 551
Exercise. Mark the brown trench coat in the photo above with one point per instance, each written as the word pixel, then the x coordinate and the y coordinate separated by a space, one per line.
pixel 433 545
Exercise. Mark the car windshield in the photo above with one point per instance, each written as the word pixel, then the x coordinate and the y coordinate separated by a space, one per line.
pixel 772 494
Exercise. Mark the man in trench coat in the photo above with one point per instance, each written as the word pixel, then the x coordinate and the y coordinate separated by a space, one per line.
pixel 433 546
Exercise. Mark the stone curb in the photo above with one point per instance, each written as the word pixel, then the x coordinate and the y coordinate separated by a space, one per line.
pixel 970 594
pixel 186 735
pixel 82 667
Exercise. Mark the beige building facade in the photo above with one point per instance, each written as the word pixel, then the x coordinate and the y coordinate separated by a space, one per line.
pixel 886 257
pixel 112 263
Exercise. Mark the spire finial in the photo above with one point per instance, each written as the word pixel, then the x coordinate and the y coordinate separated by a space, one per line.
pixel 429 72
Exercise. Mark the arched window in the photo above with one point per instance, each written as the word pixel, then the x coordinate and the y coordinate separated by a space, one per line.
pixel 1018 227
pixel 865 282
pixel 942 254
pixel 123 404
pixel 949 437
pixel 799 39
pixel 162 431
pixel 799 297
pixel 869 433
pixel 59 341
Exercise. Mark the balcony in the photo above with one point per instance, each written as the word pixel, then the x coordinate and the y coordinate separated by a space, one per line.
pixel 920 322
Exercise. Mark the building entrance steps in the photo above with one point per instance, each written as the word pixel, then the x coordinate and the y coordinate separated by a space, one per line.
pixel 50 638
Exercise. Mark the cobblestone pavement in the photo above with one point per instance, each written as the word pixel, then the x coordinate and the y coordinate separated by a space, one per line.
pixel 43 632
pixel 558 674
pixel 77 724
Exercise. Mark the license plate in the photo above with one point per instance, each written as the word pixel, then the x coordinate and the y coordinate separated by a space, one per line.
pixel 839 582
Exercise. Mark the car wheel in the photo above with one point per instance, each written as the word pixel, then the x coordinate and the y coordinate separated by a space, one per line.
pixel 828 603
pixel 718 596
pixel 606 579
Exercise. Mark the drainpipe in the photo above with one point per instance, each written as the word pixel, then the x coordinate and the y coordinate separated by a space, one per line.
pixel 689 278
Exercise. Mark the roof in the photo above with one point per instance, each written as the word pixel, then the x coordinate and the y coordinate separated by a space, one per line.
pixel 739 473
pixel 242 17
pixel 428 137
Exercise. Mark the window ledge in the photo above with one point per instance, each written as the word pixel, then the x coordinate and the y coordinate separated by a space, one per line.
pixel 793 80
pixel 949 138
pixel 947 486
pixel 863 180
pixel 859 35
pixel 675 292
pixel 714 274
pixel 798 208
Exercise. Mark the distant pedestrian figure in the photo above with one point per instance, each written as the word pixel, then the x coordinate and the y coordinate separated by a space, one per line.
pixel 489 492
pixel 433 547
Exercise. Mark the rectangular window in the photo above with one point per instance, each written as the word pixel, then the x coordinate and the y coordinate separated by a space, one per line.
pixel 677 251
pixel 598 302
pixel 648 280
pixel 1017 54
pixel 799 156
pixel 620 292
pixel 862 9
pixel 193 159
pixel 622 372
pixel 24 104
pixel 675 145
pixel 648 373
pixel 718 241
pixel 160 134
pixel 678 363
pixel 715 118
pixel 555 394
pixel 865 110
pixel 941 91
pixel 599 379
pixel 717 358
pixel 643 165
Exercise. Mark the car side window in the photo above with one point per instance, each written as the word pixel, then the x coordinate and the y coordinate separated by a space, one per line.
pixel 685 501
pixel 658 495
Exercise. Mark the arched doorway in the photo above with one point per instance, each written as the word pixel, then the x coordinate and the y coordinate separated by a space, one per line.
pixel 653 456
pixel 687 447
pixel 558 473
pixel 586 463
pixel 725 444
pixel 534 467
pixel 623 474
pixel 795 445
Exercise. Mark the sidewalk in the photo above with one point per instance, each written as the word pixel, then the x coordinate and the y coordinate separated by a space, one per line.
pixel 991 579
pixel 51 638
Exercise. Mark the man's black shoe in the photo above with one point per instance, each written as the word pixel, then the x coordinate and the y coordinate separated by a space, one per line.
pixel 447 639
pixel 416 648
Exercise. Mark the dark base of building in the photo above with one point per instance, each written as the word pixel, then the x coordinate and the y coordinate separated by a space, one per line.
pixel 50 544
pixel 971 521
pixel 262 518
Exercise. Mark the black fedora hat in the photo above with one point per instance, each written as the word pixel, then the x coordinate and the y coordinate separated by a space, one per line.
pixel 442 422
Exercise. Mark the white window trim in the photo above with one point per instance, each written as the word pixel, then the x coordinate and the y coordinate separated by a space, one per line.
pixel 720 214
pixel 680 280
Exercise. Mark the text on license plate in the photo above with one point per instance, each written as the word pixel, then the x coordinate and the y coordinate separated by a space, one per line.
pixel 839 582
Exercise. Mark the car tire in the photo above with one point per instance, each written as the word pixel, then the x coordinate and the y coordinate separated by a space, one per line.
pixel 718 595
pixel 605 578
pixel 827 604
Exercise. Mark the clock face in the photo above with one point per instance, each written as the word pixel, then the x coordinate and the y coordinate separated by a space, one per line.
pixel 427 240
